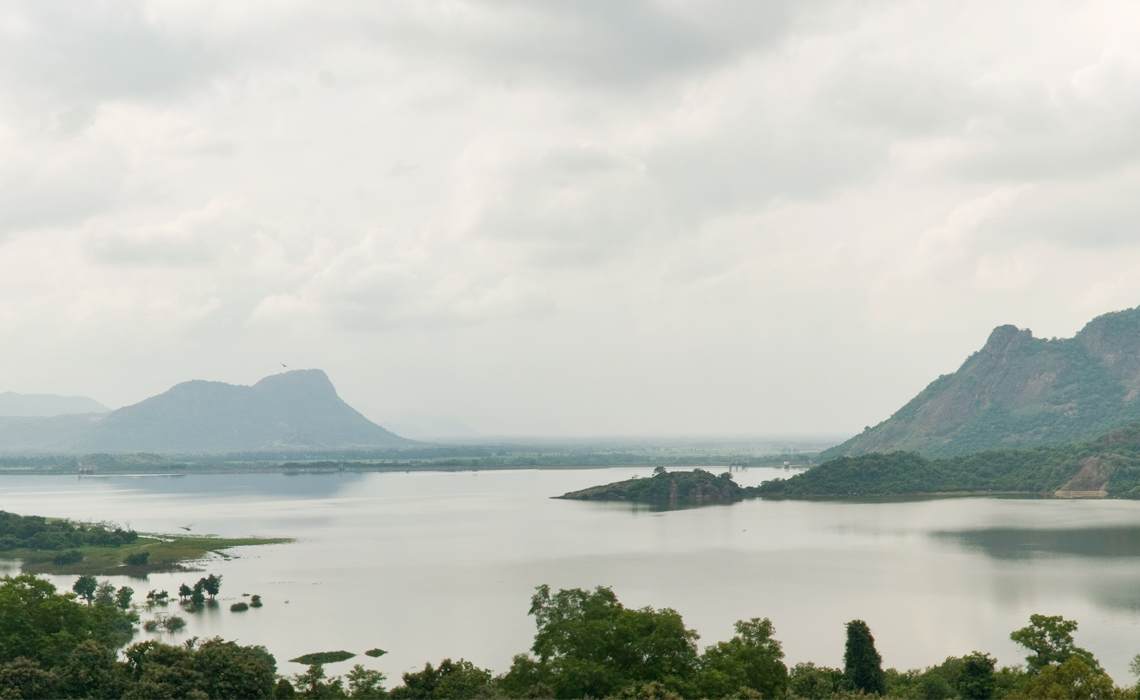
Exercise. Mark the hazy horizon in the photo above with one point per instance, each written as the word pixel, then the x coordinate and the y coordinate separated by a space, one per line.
pixel 553 219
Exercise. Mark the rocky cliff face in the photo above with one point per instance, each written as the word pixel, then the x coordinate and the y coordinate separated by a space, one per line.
pixel 1021 391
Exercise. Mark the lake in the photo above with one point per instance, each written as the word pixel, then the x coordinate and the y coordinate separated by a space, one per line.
pixel 431 565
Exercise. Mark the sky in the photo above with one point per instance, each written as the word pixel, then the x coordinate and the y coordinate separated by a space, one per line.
pixel 561 218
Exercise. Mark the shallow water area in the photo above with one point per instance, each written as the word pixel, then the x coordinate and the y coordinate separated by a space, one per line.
pixel 431 565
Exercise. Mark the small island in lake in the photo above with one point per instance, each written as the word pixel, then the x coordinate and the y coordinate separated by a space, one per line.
pixel 669 489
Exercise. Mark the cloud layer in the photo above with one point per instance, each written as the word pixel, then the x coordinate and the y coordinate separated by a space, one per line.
pixel 552 218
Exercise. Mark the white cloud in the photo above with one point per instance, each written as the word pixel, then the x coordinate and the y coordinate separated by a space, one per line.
pixel 560 218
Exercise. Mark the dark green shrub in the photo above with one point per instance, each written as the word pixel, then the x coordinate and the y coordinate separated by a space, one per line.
pixel 73 556
pixel 137 559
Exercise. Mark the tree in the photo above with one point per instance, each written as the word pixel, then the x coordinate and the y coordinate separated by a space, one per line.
pixel 91 671
pixel 284 689
pixel 312 684
pixel 365 684
pixel 85 586
pixel 977 681
pixel 751 659
pixel 212 584
pixel 234 671
pixel 213 668
pixel 1051 641
pixel 460 680
pixel 806 680
pixel 1071 679
pixel 45 626
pixel 184 592
pixel 590 644
pixel 123 597
pixel 196 595
pixel 862 665
pixel 23 678
pixel 105 593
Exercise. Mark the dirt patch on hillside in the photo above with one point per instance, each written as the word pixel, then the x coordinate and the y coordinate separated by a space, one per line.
pixel 1090 482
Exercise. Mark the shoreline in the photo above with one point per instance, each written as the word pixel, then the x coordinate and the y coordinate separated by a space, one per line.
pixel 169 553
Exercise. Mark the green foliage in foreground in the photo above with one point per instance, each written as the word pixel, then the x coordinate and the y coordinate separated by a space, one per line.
pixel 587 644
pixel 862 665
pixel 1037 470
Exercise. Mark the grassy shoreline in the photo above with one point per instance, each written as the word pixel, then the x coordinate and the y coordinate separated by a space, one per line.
pixel 167 553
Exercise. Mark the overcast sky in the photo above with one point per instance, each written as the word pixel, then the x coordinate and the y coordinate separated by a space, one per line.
pixel 561 218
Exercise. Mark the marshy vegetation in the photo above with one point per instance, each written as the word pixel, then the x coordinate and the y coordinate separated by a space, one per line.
pixel 45 546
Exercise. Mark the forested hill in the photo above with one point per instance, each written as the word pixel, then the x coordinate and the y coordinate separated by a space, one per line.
pixel 1020 391
pixel 1105 466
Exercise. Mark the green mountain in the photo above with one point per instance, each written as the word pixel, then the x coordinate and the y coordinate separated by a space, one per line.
pixel 1019 391
pixel 295 410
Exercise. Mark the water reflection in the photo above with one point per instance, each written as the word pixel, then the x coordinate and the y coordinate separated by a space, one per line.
pixel 1024 543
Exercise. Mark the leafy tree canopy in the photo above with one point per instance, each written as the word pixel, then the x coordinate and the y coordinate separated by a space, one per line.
pixel 1050 639
pixel 862 665
pixel 46 627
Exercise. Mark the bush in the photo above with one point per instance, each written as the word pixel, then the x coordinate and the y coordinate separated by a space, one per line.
pixel 239 607
pixel 173 623
pixel 73 556
pixel 255 601
pixel 137 559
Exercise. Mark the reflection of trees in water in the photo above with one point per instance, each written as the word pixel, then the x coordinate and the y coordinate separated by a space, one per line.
pixel 301 485
pixel 1023 543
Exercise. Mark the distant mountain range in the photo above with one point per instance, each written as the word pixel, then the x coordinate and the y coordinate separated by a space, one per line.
pixel 1020 391
pixel 13 404
pixel 294 410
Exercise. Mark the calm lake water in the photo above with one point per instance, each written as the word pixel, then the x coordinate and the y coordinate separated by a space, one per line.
pixel 434 565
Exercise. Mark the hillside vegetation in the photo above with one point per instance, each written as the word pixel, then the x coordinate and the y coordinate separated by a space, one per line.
pixel 1019 391
pixel 1106 466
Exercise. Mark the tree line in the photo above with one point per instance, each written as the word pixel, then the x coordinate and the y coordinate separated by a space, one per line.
pixel 37 532
pixel 1035 470
pixel 587 645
